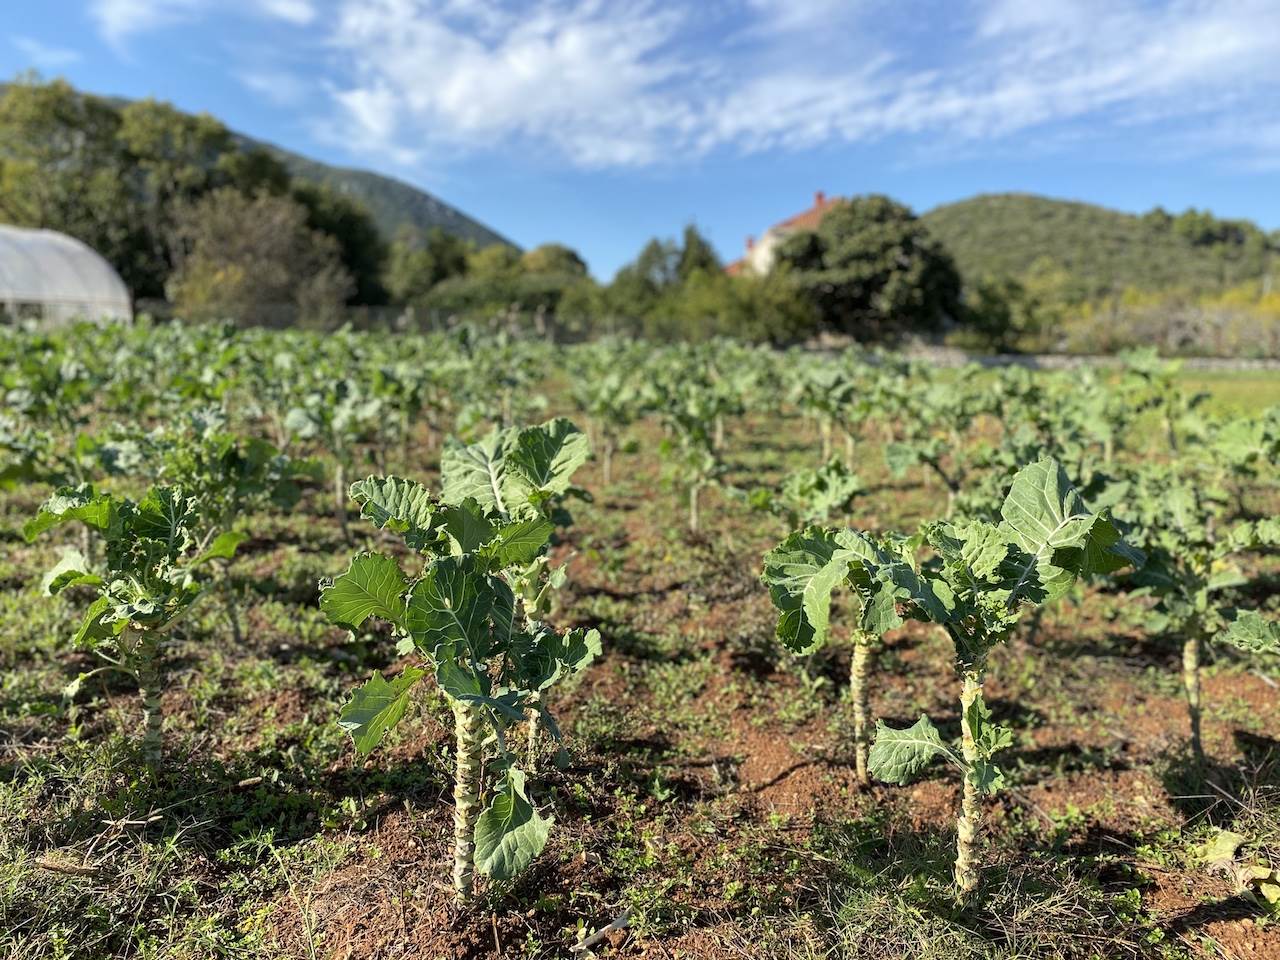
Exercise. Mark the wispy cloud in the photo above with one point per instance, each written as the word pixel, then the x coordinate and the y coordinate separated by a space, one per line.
pixel 280 87
pixel 43 55
pixel 119 19
pixel 603 84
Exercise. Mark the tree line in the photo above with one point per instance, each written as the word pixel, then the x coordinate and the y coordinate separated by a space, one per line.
pixel 189 214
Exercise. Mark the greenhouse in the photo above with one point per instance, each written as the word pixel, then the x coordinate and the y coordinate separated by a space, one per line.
pixel 50 275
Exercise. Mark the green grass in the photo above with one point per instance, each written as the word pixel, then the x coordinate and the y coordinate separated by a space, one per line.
pixel 1249 391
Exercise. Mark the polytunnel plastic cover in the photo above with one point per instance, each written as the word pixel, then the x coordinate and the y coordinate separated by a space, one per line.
pixel 65 277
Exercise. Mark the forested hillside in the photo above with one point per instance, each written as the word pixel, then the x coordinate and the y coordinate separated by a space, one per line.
pixel 392 203
pixel 1101 251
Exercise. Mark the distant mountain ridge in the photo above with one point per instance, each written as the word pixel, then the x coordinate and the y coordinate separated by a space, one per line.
pixel 392 203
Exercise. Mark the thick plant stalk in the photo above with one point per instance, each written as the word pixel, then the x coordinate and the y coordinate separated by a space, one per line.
pixel 1191 683
pixel 693 506
pixel 970 821
pixel 535 730
pixel 608 459
pixel 150 679
pixel 469 736
pixel 229 599
pixel 858 669
pixel 340 498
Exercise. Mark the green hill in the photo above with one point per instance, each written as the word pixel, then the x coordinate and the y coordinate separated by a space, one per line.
pixel 392 203
pixel 1100 250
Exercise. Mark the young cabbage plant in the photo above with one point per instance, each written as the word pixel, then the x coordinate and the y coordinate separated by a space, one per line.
pixel 1193 564
pixel 460 616
pixel 152 572
pixel 812 495
pixel 337 414
pixel 983 577
pixel 229 477
pixel 688 409
pixel 522 473
pixel 801 573
pixel 473 616
pixel 607 388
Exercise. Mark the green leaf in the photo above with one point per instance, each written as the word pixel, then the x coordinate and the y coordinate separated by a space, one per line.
pixel 81 503
pixel 96 626
pixel 898 755
pixel 69 571
pixel 373 586
pixel 1058 538
pixel 477 471
pixel 164 515
pixel 899 458
pixel 514 471
pixel 459 682
pixel 224 547
pixel 376 706
pixel 467 525
pixel 986 776
pixel 510 832
pixel 548 655
pixel 448 609
pixel 988 738
pixel 545 457
pixel 1252 632
pixel 800 573
pixel 520 542
pixel 1221 848
pixel 403 506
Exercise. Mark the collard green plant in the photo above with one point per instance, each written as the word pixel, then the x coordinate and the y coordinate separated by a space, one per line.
pixel 607 388
pixel 980 580
pixel 689 409
pixel 811 496
pixel 153 570
pixel 802 573
pixel 1193 564
pixel 229 477
pixel 471 615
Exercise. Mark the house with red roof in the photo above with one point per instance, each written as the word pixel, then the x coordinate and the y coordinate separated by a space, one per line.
pixel 761 253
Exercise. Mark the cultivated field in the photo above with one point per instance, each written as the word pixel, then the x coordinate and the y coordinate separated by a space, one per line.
pixel 707 794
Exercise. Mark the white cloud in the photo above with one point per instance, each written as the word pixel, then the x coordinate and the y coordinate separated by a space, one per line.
pixel 119 19
pixel 594 81
pixel 44 55
pixel 607 84
pixel 298 12
pixel 281 87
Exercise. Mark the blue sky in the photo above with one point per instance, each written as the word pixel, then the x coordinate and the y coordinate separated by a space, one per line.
pixel 600 124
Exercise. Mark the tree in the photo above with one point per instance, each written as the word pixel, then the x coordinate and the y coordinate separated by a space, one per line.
pixel 637 287
pixel 173 159
pixel 872 269
pixel 415 263
pixel 248 256
pixel 554 258
pixel 495 260
pixel 1003 312
pixel 696 255
pixel 61 168
pixel 713 304
pixel 360 244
